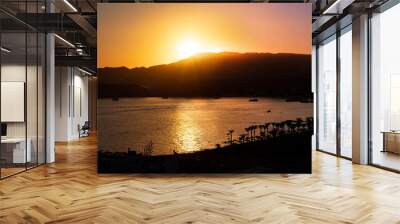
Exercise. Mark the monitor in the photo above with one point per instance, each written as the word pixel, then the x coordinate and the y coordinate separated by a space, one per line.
pixel 3 129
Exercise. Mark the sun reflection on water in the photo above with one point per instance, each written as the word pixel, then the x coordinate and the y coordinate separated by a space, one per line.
pixel 188 132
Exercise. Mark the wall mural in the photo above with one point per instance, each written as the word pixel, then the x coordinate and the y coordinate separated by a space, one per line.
pixel 204 88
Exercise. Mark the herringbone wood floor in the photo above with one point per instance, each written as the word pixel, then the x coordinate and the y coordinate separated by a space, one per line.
pixel 70 191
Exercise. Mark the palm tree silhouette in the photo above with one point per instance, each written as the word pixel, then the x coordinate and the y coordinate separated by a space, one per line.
pixel 282 130
pixel 271 130
pixel 230 136
pixel 254 128
pixel 248 131
pixel 251 131
pixel 148 149
pixel 299 123
pixel 266 128
pixel 242 138
pixel 289 124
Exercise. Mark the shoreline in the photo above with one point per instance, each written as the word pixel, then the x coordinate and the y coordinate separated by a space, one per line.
pixel 283 154
pixel 286 99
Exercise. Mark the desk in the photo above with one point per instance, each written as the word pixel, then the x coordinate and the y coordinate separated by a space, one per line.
pixel 391 141
pixel 15 148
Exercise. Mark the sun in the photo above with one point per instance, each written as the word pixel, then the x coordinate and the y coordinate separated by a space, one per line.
pixel 191 47
pixel 188 48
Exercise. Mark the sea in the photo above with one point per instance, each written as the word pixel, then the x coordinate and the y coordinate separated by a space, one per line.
pixel 185 124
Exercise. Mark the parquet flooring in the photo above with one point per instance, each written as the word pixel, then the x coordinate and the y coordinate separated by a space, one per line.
pixel 70 191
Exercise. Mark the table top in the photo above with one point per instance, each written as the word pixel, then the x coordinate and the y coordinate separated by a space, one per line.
pixel 391 132
pixel 13 140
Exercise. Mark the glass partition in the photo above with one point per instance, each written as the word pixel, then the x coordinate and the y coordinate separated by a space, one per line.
pixel 14 153
pixel 327 95
pixel 385 89
pixel 22 99
pixel 345 93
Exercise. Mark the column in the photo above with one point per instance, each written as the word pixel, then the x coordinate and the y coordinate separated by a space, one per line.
pixel 360 90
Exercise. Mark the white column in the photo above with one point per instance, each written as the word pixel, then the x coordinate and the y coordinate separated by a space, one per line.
pixel 360 90
pixel 50 98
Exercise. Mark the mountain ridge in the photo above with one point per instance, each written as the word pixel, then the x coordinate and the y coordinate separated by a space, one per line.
pixel 203 54
pixel 213 75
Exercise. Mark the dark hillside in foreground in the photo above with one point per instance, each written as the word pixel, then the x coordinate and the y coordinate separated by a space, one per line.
pixel 213 75
pixel 283 154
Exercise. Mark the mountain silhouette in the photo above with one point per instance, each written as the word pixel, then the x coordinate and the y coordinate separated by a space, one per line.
pixel 213 75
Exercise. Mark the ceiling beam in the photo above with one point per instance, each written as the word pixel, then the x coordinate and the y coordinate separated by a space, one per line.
pixel 79 61
pixel 86 26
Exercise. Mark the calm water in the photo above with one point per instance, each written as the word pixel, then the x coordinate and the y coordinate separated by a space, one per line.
pixel 185 125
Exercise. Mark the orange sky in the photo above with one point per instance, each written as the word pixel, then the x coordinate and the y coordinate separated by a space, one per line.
pixel 147 34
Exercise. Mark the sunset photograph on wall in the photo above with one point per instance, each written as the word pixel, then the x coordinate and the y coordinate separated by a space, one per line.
pixel 204 88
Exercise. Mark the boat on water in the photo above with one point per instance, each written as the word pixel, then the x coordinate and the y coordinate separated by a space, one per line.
pixel 114 98
pixel 306 101
pixel 299 99
pixel 253 100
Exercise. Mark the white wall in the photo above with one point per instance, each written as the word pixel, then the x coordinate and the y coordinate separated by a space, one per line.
pixel 83 83
pixel 62 82
pixel 92 109
pixel 71 87
pixel 13 72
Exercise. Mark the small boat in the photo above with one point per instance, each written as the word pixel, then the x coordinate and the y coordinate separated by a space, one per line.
pixel 253 100
pixel 114 98
pixel 306 101
pixel 268 111
pixel 292 99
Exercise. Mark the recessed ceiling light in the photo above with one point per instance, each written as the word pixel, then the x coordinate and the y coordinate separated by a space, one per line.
pixel 5 50
pixel 64 40
pixel 84 71
pixel 338 6
pixel 70 5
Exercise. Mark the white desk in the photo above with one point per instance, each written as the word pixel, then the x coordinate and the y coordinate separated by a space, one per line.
pixel 19 155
